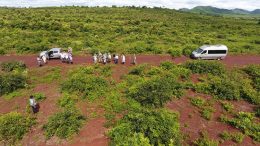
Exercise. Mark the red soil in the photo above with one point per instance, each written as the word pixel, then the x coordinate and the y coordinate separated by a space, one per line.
pixel 192 123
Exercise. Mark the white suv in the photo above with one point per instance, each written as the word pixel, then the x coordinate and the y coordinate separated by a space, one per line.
pixel 52 53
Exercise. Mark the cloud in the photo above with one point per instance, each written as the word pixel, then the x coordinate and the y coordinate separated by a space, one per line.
pixel 173 4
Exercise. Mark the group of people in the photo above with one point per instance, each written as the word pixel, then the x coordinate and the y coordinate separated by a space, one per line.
pixel 107 58
pixel 66 56
pixel 41 60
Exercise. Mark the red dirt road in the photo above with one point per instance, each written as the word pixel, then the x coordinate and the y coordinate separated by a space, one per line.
pixel 233 60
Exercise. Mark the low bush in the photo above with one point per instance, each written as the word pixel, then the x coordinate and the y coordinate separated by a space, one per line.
pixel 231 86
pixel 205 67
pixel 207 112
pixel 2 52
pixel 246 123
pixel 235 136
pixel 64 124
pixel 13 126
pixel 205 107
pixel 39 96
pixel 11 82
pixel 254 72
pixel 205 141
pixel 175 52
pixel 89 86
pixel 257 111
pixel 139 70
pixel 167 65
pixel 160 127
pixel 155 92
pixel 199 102
pixel 227 106
pixel 67 101
pixel 188 50
pixel 13 65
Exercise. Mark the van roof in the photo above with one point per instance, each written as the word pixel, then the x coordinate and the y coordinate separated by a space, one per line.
pixel 214 47
pixel 55 49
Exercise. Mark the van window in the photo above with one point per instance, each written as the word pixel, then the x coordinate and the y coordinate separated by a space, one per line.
pixel 217 51
pixel 199 50
pixel 55 51
pixel 204 52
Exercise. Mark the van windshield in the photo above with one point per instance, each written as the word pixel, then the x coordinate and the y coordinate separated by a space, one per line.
pixel 199 50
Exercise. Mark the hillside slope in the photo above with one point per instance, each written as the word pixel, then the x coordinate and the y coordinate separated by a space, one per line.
pixel 129 30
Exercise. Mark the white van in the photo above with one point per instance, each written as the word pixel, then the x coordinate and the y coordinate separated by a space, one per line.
pixel 210 52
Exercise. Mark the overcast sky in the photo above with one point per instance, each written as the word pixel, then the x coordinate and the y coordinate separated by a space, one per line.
pixel 176 4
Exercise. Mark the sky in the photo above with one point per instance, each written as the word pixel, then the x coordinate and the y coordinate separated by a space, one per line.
pixel 172 4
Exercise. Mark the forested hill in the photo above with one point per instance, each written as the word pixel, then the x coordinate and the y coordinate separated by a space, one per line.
pixel 218 11
pixel 139 30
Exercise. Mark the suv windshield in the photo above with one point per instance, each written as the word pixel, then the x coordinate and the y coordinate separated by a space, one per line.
pixel 199 50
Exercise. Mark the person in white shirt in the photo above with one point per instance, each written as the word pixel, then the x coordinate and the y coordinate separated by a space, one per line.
pixel 123 59
pixel 33 104
pixel 39 61
pixel 116 59
pixel 95 58
pixel 44 58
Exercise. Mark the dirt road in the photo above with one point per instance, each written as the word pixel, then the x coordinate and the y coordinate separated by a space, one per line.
pixel 234 60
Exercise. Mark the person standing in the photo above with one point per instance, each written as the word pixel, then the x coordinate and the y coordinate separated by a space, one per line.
pixel 33 104
pixel 44 58
pixel 134 60
pixel 39 61
pixel 95 58
pixel 104 58
pixel 123 59
pixel 116 59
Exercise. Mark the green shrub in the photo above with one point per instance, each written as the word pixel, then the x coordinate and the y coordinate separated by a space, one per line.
pixel 39 96
pixel 204 67
pixel 205 107
pixel 257 111
pixel 246 123
pixel 89 86
pixel 67 101
pixel 160 127
pixel 231 86
pixel 11 82
pixel 139 70
pixel 188 50
pixel 207 112
pixel 156 91
pixel 13 126
pixel 236 136
pixel 175 52
pixel 254 72
pixel 13 65
pixel 205 141
pixel 64 124
pixel 227 106
pixel 167 65
pixel 2 52
pixel 199 102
